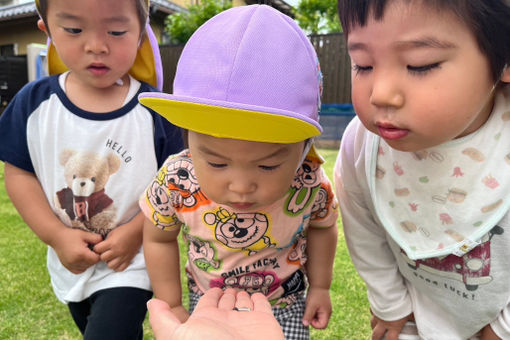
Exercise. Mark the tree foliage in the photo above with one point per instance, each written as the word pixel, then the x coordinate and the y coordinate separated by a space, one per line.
pixel 180 26
pixel 318 16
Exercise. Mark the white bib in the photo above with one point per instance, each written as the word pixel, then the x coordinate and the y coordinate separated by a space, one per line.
pixel 442 200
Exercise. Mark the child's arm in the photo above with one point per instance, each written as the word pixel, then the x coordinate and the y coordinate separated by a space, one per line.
pixel 365 238
pixel 161 251
pixel 499 328
pixel 122 244
pixel 71 245
pixel 489 334
pixel 321 247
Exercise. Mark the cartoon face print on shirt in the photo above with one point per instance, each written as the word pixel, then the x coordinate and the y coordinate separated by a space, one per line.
pixel 248 232
pixel 303 188
pixel 297 256
pixel 322 202
pixel 183 185
pixel 159 200
pixel 257 282
pixel 201 253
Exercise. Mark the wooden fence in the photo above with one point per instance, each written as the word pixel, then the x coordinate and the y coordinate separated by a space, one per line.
pixel 335 66
pixel 332 53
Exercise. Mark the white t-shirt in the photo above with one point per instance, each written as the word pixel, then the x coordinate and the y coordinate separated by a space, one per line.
pixel 42 127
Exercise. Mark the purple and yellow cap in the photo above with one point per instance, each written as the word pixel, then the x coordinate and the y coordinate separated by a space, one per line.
pixel 147 66
pixel 248 73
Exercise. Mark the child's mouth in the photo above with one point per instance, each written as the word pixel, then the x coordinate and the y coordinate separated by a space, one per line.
pixel 241 205
pixel 98 69
pixel 391 132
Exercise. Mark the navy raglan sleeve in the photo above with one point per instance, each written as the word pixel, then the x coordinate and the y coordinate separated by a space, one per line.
pixel 167 138
pixel 13 124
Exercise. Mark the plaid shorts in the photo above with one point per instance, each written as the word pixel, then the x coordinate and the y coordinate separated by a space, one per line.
pixel 289 317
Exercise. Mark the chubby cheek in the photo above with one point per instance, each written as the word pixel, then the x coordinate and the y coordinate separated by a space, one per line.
pixel 361 102
pixel 126 51
pixel 213 190
pixel 126 59
pixel 271 192
pixel 209 185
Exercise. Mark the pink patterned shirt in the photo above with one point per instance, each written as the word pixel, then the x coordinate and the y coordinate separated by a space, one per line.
pixel 263 251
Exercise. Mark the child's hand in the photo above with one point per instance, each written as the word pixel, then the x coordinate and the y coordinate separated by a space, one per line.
pixel 488 334
pixel 120 246
pixel 388 330
pixel 72 248
pixel 318 308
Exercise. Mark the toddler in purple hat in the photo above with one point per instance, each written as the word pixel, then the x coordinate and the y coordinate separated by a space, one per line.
pixel 256 209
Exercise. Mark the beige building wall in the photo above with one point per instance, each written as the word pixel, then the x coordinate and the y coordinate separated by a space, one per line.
pixel 183 3
pixel 236 3
pixel 22 34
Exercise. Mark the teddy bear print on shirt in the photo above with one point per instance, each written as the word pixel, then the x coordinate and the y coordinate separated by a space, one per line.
pixel 83 204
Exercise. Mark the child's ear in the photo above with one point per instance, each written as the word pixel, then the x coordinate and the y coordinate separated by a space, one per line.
pixel 142 39
pixel 42 26
pixel 505 76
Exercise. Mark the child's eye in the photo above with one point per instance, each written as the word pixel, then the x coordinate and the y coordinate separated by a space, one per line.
pixel 216 165
pixel 422 70
pixel 269 168
pixel 72 30
pixel 361 69
pixel 117 33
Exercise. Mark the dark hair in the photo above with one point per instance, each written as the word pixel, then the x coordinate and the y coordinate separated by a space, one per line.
pixel 142 11
pixel 489 20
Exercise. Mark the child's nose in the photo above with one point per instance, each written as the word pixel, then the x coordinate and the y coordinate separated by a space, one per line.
pixel 242 185
pixel 96 44
pixel 386 92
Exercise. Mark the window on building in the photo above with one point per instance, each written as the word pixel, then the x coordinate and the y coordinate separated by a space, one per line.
pixel 7 50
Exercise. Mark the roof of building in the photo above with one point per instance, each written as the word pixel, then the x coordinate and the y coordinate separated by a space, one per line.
pixel 165 6
pixel 17 11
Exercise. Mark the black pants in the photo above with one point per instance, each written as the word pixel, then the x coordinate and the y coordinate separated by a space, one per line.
pixel 115 313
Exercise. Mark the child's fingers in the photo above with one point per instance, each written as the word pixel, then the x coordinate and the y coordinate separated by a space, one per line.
pixel 91 238
pixel 309 315
pixel 378 332
pixel 117 264
pixel 320 321
pixel 101 247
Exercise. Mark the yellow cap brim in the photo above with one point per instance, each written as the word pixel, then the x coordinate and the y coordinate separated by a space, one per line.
pixel 226 122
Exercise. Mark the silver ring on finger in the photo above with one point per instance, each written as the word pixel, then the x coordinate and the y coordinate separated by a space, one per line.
pixel 242 309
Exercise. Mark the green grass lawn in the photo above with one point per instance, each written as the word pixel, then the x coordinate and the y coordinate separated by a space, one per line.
pixel 29 310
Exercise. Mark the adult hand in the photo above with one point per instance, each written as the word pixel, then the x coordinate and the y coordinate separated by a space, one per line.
pixel 214 318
